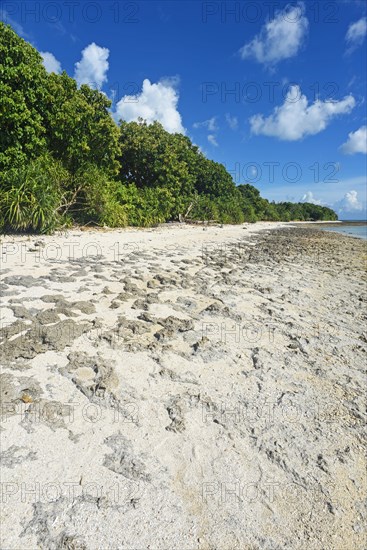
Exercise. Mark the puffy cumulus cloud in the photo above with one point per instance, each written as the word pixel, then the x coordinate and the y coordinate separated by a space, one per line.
pixel 296 118
pixel 213 140
pixel 356 34
pixel 232 121
pixel 280 38
pixel 210 124
pixel 356 142
pixel 155 102
pixel 350 203
pixel 93 66
pixel 51 64
pixel 308 197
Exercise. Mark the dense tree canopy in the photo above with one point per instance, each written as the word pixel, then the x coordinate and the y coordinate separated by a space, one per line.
pixel 79 128
pixel 22 92
pixel 152 158
pixel 63 160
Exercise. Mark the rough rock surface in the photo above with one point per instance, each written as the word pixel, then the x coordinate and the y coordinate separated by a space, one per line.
pixel 198 391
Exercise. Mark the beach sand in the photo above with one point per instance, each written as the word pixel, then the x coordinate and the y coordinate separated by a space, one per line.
pixel 183 388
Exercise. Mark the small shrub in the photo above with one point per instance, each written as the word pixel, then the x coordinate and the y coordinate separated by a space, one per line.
pixel 32 195
pixel 93 197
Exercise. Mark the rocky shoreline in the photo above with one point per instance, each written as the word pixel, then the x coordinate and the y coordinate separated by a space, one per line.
pixel 181 388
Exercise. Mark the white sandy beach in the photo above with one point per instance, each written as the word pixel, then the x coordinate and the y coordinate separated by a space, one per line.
pixel 183 387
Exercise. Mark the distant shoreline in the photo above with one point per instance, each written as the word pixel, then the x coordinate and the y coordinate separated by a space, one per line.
pixel 257 226
pixel 171 226
pixel 343 222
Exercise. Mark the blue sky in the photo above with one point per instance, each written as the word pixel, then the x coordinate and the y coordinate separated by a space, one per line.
pixel 274 90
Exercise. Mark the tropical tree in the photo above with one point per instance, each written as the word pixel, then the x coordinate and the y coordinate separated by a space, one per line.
pixel 22 92
pixel 79 128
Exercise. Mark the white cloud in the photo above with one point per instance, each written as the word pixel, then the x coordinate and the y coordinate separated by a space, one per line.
pixel 280 38
pixel 296 118
pixel 356 142
pixel 356 34
pixel 172 81
pixel 93 66
pixel 210 124
pixel 232 121
pixel 155 102
pixel 51 64
pixel 350 203
pixel 213 140
pixel 5 18
pixel 308 197
pixel 212 127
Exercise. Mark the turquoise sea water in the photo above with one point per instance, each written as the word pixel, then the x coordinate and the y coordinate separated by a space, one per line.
pixel 359 231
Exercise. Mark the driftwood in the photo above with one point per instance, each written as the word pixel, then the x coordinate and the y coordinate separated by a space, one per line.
pixel 68 205
pixel 181 218
pixel 188 210
pixel 198 222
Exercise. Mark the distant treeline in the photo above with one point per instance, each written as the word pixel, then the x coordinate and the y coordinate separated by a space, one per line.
pixel 258 208
pixel 64 161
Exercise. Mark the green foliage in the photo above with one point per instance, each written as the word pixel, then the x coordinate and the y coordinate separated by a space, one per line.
pixel 79 128
pixel 63 160
pixel 249 213
pixel 225 209
pixel 251 196
pixel 22 90
pixel 31 196
pixel 146 207
pixel 92 197
pixel 154 159
pixel 305 211
pixel 261 209
pixel 230 210
pixel 211 178
pixel 204 209
pixel 42 112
